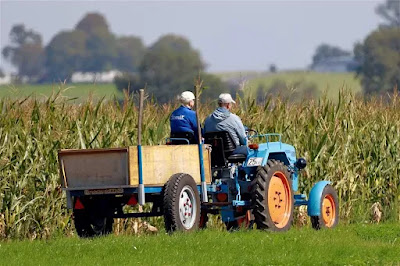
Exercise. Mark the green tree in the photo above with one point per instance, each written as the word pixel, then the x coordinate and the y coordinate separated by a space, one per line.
pixel 64 54
pixel 128 81
pixel 101 51
pixel 390 12
pixel 273 68
pixel 92 24
pixel 326 51
pixel 101 48
pixel 379 58
pixel 170 66
pixel 130 53
pixel 214 86
pixel 25 52
pixel 1 73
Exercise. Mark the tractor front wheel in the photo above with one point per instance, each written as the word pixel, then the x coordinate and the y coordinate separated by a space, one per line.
pixel 181 204
pixel 329 216
pixel 273 197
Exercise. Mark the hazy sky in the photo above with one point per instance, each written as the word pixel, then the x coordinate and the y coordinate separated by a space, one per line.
pixel 231 35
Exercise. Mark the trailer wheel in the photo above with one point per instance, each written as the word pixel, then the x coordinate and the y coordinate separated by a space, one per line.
pixel 273 197
pixel 91 225
pixel 329 216
pixel 181 204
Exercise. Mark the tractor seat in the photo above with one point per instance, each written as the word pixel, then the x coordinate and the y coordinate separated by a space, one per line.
pixel 237 158
pixel 223 146
pixel 182 137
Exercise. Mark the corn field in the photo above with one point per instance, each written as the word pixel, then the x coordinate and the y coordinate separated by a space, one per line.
pixel 352 142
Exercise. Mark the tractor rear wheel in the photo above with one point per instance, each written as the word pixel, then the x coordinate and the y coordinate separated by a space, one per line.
pixel 273 197
pixel 181 204
pixel 329 216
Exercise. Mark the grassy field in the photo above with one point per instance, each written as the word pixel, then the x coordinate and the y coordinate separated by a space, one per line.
pixel 79 91
pixel 353 143
pixel 329 83
pixel 352 245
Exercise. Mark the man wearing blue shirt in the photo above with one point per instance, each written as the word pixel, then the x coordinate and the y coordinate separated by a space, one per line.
pixel 183 119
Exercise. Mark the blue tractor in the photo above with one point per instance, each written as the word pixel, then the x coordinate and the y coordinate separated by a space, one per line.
pixel 260 187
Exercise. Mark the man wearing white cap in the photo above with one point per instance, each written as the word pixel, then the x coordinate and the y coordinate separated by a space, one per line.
pixel 183 119
pixel 223 120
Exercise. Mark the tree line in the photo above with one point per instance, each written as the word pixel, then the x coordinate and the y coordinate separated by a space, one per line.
pixel 377 58
pixel 171 63
pixel 167 67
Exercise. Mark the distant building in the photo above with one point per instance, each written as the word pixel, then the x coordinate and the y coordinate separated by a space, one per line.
pixel 7 79
pixel 91 77
pixel 336 64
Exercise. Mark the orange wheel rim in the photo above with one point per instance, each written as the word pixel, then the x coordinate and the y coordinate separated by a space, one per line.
pixel 279 199
pixel 328 210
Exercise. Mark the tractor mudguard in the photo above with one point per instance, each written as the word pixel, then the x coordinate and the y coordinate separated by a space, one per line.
pixel 314 200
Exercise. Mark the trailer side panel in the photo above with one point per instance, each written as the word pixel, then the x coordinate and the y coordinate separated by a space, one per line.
pixel 161 162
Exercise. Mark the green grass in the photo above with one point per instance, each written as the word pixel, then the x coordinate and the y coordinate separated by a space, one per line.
pixel 355 244
pixel 325 82
pixel 330 83
pixel 80 91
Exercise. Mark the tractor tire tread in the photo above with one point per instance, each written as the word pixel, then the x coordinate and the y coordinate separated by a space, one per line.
pixel 259 190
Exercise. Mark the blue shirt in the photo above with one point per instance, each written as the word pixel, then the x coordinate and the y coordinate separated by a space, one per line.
pixel 183 119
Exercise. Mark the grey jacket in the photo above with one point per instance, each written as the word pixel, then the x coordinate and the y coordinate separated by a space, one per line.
pixel 223 120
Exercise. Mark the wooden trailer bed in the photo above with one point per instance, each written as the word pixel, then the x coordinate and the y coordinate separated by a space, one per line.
pixel 117 168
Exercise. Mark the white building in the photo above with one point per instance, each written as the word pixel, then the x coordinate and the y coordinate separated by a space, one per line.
pixel 335 64
pixel 6 79
pixel 91 77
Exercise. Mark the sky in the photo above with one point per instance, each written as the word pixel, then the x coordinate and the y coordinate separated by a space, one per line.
pixel 230 35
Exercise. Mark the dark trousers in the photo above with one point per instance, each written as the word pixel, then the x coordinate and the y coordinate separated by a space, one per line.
pixel 241 150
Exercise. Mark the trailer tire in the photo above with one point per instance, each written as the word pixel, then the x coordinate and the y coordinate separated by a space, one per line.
pixel 92 225
pixel 329 216
pixel 273 197
pixel 181 204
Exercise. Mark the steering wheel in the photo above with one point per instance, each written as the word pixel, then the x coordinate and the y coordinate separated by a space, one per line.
pixel 251 132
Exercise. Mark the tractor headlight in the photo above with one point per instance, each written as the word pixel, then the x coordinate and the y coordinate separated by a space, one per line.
pixel 301 163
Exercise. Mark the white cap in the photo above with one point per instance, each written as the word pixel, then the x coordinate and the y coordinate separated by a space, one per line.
pixel 225 98
pixel 186 97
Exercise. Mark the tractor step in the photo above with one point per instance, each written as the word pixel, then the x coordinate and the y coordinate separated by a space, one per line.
pixel 241 203
pixel 300 199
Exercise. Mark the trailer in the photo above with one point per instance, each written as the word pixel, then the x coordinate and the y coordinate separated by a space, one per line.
pixel 100 182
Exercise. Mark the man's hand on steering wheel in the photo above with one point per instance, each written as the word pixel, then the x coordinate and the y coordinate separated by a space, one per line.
pixel 250 132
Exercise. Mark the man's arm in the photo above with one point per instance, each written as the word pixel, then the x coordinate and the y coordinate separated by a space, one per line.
pixel 193 123
pixel 240 130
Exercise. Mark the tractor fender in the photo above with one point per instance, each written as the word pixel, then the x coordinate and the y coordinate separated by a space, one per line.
pixel 314 200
